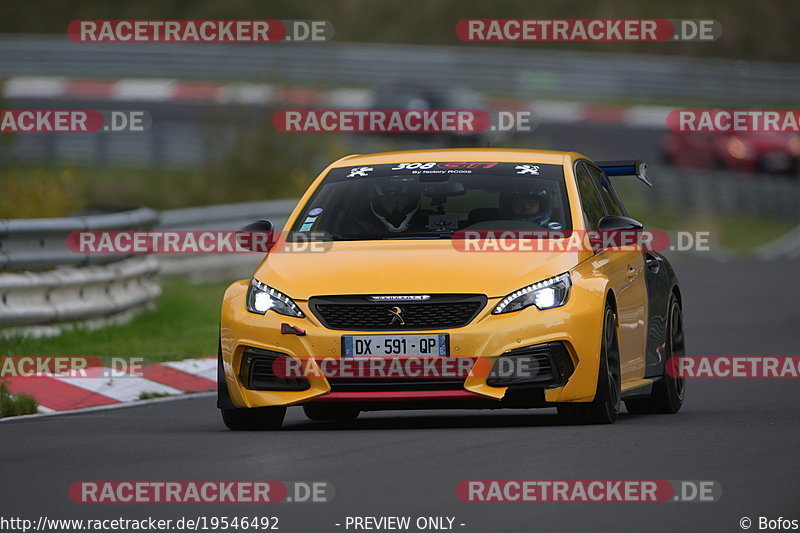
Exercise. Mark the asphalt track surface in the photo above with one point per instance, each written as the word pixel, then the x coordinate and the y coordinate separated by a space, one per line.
pixel 741 433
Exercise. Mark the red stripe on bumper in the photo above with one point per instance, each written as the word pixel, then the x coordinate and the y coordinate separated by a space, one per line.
pixel 397 396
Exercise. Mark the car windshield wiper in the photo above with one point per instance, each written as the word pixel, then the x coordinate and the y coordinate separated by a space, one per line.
pixel 422 235
pixel 365 237
pixel 392 236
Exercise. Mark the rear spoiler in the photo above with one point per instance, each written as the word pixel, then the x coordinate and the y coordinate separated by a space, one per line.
pixel 635 167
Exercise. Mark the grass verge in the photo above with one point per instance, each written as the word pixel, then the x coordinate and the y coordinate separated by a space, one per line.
pixel 15 405
pixel 152 395
pixel 251 171
pixel 741 234
pixel 32 191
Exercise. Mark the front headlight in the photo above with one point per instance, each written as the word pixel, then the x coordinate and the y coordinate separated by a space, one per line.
pixel 547 294
pixel 261 298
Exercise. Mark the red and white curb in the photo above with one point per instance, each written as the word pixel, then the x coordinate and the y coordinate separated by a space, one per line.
pixel 171 90
pixel 61 393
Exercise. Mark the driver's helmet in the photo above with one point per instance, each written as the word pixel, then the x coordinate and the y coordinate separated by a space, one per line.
pixel 526 201
pixel 395 201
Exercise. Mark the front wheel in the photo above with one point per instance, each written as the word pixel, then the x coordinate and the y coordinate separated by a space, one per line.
pixel 605 407
pixel 668 392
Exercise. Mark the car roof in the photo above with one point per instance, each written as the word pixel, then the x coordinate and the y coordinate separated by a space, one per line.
pixel 462 154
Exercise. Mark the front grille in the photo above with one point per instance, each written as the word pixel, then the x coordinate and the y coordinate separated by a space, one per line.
pixel 358 313
pixel 394 384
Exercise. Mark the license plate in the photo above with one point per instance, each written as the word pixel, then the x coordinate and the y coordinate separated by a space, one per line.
pixel 433 345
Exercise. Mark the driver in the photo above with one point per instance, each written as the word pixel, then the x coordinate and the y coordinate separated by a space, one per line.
pixel 527 203
pixel 394 202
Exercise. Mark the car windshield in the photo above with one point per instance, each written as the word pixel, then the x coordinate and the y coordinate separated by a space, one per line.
pixel 429 200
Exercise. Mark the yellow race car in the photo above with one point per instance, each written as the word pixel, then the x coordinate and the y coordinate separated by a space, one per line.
pixel 439 279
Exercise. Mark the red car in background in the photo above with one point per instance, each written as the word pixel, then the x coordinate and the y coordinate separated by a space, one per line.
pixel 774 153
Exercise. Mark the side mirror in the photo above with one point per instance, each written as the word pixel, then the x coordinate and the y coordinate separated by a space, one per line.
pixel 257 236
pixel 618 223
pixel 615 231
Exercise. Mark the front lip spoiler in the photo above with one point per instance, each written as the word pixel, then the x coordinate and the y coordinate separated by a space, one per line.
pixel 398 396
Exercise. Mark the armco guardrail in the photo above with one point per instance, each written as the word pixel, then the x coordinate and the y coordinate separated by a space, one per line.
pixel 589 76
pixel 227 216
pixel 44 283
pixel 219 217
pixel 46 286
pixel 77 294
pixel 41 243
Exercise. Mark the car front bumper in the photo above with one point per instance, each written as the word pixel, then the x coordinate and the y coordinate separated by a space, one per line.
pixel 577 325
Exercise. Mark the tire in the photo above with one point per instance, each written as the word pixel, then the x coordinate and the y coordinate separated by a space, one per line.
pixel 668 392
pixel 606 405
pixel 253 419
pixel 330 412
pixel 223 396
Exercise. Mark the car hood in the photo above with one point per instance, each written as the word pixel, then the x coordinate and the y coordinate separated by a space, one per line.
pixel 408 267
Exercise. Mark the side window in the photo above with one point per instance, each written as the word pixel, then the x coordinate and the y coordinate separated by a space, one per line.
pixel 592 205
pixel 609 199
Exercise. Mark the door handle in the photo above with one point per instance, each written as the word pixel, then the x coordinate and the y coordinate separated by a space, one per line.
pixel 632 273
